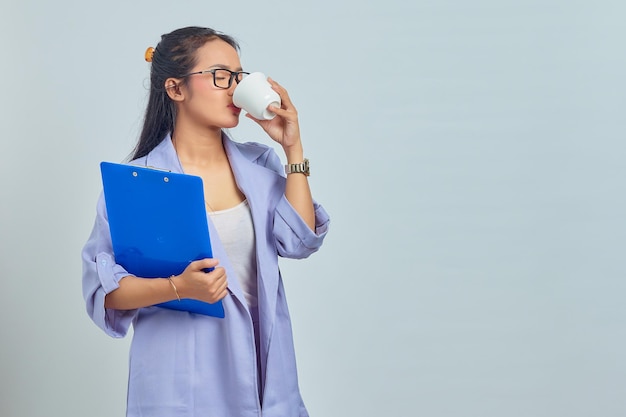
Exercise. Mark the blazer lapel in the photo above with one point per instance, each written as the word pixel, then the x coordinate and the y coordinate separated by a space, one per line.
pixel 251 180
pixel 164 157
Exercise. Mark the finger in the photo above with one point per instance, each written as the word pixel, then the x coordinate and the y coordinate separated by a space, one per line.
pixel 282 92
pixel 216 276
pixel 278 110
pixel 219 291
pixel 216 272
pixel 221 295
pixel 223 287
pixel 272 82
pixel 276 84
pixel 289 114
pixel 204 264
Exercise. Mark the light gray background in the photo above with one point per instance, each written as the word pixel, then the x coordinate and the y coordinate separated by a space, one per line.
pixel 471 155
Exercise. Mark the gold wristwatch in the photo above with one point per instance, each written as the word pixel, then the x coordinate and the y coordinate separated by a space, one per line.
pixel 301 168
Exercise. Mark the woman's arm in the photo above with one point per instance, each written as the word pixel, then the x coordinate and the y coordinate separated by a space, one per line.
pixel 285 129
pixel 297 188
pixel 134 292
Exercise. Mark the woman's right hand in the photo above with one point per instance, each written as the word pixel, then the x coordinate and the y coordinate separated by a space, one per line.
pixel 199 285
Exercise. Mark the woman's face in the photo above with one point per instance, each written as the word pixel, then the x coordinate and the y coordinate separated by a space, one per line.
pixel 206 105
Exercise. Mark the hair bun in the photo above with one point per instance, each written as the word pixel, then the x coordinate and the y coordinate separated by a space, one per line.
pixel 148 54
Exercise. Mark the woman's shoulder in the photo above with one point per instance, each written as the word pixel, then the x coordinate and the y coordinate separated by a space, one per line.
pixel 253 149
pixel 141 161
pixel 260 154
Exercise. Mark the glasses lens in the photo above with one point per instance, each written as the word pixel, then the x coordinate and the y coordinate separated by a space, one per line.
pixel 241 76
pixel 222 78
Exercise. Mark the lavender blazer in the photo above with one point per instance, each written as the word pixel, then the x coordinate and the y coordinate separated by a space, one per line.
pixel 185 365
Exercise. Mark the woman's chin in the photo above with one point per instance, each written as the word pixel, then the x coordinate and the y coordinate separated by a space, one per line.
pixel 231 123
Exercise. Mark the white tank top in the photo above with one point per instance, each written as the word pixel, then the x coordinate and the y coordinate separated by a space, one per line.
pixel 236 231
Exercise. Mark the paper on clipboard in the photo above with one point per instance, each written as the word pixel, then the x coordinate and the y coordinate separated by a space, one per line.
pixel 158 225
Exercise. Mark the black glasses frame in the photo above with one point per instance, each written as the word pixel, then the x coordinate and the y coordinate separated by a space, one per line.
pixel 234 75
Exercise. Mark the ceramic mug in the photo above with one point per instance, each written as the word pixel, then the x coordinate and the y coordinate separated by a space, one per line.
pixel 254 93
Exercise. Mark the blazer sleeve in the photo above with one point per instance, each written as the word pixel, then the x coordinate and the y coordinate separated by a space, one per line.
pixel 101 275
pixel 294 238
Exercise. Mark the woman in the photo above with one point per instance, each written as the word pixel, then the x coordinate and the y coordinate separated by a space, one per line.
pixel 184 364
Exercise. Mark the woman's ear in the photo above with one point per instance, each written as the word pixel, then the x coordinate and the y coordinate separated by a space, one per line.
pixel 172 87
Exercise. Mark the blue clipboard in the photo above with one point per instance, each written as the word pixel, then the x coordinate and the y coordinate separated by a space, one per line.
pixel 158 225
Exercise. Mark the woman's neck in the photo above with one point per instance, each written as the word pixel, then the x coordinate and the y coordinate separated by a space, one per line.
pixel 198 148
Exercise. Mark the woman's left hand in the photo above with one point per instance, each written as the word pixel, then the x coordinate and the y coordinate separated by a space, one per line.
pixel 284 128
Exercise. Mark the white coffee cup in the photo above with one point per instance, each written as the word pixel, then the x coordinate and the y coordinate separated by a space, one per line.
pixel 254 93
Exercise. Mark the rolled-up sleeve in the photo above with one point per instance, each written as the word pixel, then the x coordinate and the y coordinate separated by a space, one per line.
pixel 294 238
pixel 101 275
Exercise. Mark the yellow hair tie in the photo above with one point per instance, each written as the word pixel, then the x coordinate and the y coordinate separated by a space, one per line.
pixel 148 54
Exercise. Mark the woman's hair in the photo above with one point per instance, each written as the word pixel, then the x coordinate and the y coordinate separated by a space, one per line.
pixel 173 57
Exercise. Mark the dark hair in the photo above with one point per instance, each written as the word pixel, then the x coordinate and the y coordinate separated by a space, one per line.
pixel 173 57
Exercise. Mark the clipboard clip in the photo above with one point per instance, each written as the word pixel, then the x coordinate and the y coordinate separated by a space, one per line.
pixel 158 169
pixel 166 179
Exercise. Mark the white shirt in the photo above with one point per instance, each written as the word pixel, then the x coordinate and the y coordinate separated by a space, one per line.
pixel 236 231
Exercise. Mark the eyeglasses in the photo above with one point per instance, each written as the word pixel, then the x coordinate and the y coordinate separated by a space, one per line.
pixel 222 78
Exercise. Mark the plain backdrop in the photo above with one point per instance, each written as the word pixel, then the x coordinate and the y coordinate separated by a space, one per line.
pixel 470 153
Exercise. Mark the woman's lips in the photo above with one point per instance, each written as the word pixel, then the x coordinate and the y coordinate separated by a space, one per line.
pixel 234 108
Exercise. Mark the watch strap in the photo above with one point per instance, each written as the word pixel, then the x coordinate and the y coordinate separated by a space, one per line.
pixel 301 168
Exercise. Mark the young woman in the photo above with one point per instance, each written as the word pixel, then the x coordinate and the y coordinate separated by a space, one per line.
pixel 185 364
